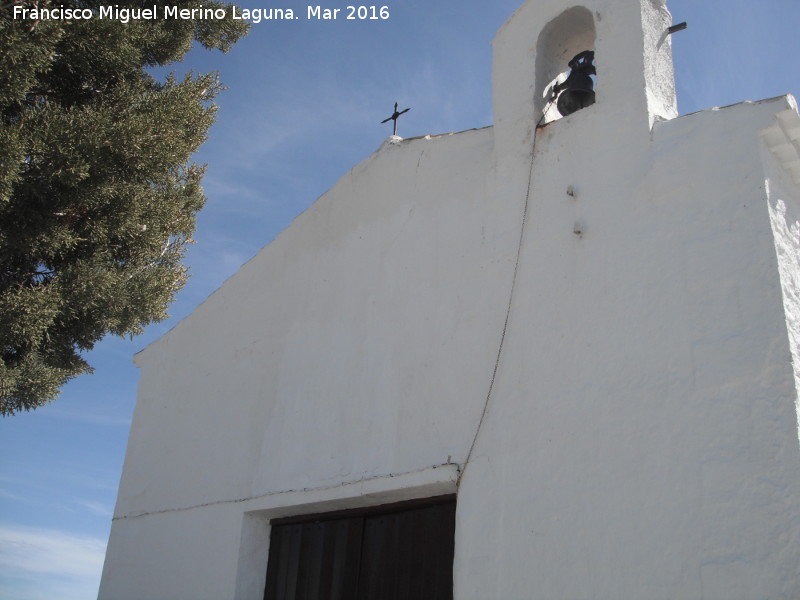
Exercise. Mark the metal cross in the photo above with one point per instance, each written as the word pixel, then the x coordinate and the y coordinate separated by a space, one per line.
pixel 394 117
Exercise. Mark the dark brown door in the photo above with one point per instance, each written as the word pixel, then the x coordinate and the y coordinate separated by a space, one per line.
pixel 391 553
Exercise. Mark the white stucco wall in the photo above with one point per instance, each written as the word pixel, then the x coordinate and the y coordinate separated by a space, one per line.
pixel 642 428
pixel 781 155
pixel 387 292
pixel 603 376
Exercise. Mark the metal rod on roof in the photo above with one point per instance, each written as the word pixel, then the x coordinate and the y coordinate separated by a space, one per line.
pixel 677 28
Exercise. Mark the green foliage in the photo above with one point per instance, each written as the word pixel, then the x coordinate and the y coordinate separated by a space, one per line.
pixel 97 193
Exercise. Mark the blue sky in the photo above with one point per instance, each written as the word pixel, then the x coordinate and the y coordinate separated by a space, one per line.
pixel 304 105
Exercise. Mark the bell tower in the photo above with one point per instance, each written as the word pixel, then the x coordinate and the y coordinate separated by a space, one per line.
pixel 635 83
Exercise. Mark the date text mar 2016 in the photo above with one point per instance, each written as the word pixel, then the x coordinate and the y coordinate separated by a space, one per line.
pixel 361 13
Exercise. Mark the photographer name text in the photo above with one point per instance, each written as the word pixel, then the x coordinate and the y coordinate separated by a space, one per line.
pixel 254 15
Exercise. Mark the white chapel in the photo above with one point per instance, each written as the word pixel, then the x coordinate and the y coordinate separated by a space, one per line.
pixel 553 358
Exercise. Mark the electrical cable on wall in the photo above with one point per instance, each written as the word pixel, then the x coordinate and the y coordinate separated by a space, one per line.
pixel 508 313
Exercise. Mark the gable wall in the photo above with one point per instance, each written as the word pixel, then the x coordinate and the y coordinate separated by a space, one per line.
pixel 622 425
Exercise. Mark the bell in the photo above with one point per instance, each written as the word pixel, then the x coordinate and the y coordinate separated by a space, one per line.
pixel 577 91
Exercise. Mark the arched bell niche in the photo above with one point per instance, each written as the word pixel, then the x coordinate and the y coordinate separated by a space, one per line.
pixel 563 38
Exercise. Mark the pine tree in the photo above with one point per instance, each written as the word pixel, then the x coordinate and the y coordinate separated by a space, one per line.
pixel 97 192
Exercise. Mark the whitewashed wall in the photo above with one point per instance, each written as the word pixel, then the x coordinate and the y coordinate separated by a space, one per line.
pixel 640 435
